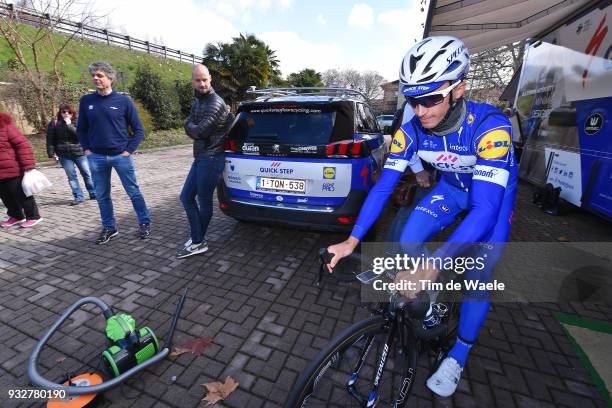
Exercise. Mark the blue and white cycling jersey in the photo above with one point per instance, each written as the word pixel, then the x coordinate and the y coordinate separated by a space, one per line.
pixel 479 175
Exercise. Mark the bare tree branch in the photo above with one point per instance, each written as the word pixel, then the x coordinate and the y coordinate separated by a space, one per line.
pixel 31 33
pixel 367 82
pixel 491 71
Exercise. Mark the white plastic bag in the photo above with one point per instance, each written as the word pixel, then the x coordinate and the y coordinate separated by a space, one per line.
pixel 34 182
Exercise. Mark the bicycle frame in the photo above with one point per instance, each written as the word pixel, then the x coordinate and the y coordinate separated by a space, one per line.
pixel 404 327
pixel 397 320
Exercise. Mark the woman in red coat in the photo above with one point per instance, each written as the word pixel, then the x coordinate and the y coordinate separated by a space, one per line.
pixel 16 157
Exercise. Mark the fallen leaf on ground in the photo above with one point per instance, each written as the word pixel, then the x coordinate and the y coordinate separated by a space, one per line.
pixel 180 350
pixel 196 346
pixel 219 391
pixel 563 238
pixel 60 360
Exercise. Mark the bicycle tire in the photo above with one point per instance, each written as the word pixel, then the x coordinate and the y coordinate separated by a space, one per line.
pixel 337 357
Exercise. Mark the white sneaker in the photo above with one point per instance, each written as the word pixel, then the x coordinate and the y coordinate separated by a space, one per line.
pixel 193 249
pixel 187 243
pixel 445 380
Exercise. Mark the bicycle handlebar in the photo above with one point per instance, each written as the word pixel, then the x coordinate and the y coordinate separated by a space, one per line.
pixel 325 256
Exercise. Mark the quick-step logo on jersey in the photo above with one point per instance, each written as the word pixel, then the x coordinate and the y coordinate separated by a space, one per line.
pixel 447 161
pixel 396 164
pixel 447 158
pixel 494 144
pixel 491 174
pixel 398 144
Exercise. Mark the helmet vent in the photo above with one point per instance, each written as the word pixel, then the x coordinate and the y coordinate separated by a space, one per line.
pixel 427 79
pixel 452 67
pixel 428 66
pixel 423 43
pixel 448 43
pixel 413 62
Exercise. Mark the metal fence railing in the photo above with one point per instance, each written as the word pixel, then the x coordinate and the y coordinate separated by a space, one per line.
pixel 86 32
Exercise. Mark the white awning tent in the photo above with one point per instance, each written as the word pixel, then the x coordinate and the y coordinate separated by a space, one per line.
pixel 484 24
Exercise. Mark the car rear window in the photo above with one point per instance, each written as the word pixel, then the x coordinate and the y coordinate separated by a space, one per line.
pixel 284 126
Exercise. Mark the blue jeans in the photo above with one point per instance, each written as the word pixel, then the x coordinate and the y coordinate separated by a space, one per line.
pixel 70 164
pixel 101 166
pixel 201 182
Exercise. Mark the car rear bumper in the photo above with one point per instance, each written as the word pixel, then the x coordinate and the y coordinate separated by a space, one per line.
pixel 302 216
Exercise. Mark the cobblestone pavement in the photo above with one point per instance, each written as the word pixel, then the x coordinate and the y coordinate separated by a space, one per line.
pixel 252 293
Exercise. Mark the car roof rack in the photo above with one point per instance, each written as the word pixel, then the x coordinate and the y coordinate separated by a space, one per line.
pixel 308 90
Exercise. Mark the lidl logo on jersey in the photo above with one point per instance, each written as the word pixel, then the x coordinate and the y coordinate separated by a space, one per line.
pixel 398 144
pixel 494 144
pixel 329 173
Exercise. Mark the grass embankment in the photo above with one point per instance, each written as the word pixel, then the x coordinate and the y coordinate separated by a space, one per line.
pixel 161 138
pixel 77 57
pixel 79 54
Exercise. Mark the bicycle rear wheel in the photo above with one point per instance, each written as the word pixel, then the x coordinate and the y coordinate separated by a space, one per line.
pixel 324 383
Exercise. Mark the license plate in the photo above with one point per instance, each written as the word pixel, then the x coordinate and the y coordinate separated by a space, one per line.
pixel 276 184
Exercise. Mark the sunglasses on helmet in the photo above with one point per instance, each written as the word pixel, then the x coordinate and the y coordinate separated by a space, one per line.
pixel 432 98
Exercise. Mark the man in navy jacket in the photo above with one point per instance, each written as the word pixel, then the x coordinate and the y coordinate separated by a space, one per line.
pixel 106 120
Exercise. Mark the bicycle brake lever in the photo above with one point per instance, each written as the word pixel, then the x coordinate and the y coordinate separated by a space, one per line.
pixel 325 256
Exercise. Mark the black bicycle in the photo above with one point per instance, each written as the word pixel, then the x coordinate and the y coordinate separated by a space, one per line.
pixel 374 361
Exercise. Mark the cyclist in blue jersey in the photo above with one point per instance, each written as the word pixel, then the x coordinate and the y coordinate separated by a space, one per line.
pixel 470 143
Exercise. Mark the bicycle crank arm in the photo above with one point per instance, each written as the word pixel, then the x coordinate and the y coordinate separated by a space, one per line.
pixel 350 386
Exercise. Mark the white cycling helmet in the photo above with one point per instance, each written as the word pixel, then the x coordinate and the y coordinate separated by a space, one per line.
pixel 431 62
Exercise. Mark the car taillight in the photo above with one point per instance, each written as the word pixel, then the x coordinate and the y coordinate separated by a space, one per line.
pixel 223 206
pixel 356 148
pixel 346 149
pixel 347 220
pixel 229 146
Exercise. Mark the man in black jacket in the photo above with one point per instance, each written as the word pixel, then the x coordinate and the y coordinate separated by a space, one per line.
pixel 207 125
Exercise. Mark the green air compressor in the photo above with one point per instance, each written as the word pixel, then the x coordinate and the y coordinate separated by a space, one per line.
pixel 130 351
pixel 129 346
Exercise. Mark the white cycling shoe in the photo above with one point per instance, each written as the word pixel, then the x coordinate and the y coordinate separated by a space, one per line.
pixel 445 380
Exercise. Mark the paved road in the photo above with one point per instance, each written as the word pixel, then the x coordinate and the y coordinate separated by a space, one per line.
pixel 252 293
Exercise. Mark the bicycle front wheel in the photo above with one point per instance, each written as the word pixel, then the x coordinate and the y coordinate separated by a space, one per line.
pixel 342 374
